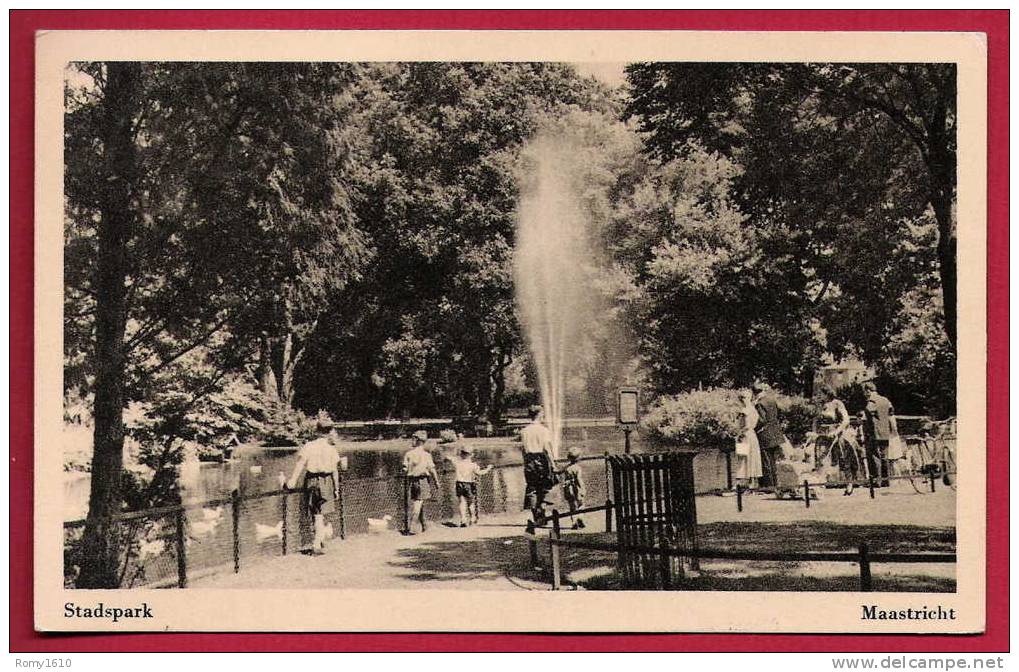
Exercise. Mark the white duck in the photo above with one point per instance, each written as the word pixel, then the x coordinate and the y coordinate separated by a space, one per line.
pixel 203 528
pixel 265 532
pixel 148 549
pixel 379 524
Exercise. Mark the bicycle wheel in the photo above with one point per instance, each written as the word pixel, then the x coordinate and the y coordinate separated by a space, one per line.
pixel 949 472
pixel 914 461
pixel 850 466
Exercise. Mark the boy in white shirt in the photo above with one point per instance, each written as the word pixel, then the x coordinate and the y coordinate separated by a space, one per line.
pixel 467 473
pixel 318 460
pixel 539 466
pixel 419 467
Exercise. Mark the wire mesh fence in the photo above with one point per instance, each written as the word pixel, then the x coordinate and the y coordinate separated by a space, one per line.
pixel 169 546
pixel 172 546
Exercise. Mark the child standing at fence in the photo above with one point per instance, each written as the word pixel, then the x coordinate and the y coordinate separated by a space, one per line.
pixel 419 469
pixel 573 485
pixel 467 473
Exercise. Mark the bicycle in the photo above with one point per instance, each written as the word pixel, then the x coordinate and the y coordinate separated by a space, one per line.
pixel 932 454
pixel 841 452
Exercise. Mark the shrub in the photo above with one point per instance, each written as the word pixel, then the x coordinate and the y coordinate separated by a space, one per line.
pixel 710 418
pixel 699 418
pixel 797 416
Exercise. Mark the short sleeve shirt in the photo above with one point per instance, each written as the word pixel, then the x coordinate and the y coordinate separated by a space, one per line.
pixel 466 470
pixel 418 462
pixel 321 456
pixel 536 437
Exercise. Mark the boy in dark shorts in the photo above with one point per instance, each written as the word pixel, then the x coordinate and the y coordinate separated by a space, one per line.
pixel 539 466
pixel 573 486
pixel 467 473
pixel 419 468
pixel 318 460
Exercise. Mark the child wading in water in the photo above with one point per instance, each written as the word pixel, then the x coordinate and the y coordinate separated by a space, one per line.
pixel 467 473
pixel 573 486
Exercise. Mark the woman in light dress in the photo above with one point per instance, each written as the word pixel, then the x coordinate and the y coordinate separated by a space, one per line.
pixel 748 451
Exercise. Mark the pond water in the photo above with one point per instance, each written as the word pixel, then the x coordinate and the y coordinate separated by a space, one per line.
pixel 256 469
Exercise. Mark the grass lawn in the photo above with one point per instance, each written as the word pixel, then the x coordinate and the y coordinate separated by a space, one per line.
pixel 595 570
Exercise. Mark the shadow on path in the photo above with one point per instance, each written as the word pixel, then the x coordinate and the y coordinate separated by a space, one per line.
pixel 508 557
pixel 489 558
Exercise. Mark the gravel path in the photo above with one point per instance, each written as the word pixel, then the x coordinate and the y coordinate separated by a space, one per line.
pixel 494 555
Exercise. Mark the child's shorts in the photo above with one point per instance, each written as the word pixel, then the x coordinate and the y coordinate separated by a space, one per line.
pixel 469 491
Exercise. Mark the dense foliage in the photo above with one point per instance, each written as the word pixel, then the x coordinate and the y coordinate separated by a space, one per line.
pixel 250 244
pixel 844 178
pixel 711 418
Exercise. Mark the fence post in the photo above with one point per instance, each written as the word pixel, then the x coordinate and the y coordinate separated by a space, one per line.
pixel 806 492
pixel 235 502
pixel 339 507
pixel 608 515
pixel 556 560
pixel 182 561
pixel 728 469
pixel 665 566
pixel 865 583
pixel 739 498
pixel 870 482
pixel 406 504
pixel 500 484
pixel 283 530
pixel 608 484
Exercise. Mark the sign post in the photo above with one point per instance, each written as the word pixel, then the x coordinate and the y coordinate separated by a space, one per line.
pixel 628 413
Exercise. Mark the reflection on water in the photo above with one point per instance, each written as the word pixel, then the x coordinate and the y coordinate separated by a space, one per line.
pixel 256 469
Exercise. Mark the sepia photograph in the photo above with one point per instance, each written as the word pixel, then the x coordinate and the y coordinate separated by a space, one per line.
pixel 499 327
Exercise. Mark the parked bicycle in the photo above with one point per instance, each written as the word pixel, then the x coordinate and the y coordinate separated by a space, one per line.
pixel 842 451
pixel 931 454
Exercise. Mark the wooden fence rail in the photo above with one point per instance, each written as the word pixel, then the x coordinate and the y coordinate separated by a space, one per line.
pixel 862 556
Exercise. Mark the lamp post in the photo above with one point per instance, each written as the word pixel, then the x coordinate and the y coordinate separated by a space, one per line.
pixel 627 406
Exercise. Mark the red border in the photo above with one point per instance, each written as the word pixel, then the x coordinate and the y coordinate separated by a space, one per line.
pixel 23 24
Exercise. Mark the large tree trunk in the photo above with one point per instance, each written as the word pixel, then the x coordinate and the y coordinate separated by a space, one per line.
pixel 100 550
pixel 947 249
pixel 283 360
pixel 496 408
pixel 264 374
pixel 282 368
pixel 941 160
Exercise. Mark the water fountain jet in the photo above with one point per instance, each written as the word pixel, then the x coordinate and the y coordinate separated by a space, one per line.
pixel 552 262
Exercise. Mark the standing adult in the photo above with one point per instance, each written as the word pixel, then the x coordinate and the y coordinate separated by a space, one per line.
pixel 878 428
pixel 769 431
pixel 539 465
pixel 836 431
pixel 748 449
pixel 318 460
pixel 419 469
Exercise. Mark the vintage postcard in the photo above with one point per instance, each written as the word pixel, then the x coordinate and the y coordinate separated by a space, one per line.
pixel 552 331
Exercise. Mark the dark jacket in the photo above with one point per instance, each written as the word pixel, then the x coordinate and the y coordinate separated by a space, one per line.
pixel 878 418
pixel 769 431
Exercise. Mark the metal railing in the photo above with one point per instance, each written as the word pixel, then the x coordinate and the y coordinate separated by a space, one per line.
pixel 171 546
